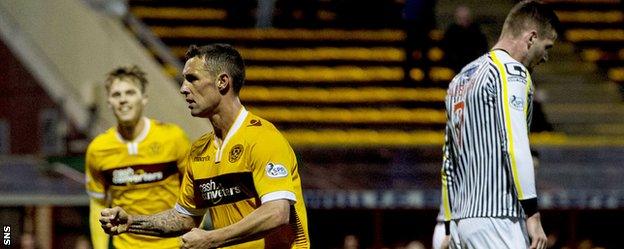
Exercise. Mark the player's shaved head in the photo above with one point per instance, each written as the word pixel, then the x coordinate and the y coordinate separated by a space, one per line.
pixel 530 14
pixel 221 58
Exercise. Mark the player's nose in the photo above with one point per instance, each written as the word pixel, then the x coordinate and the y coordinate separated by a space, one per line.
pixel 184 88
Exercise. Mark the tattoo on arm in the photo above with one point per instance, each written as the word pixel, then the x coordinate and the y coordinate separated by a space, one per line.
pixel 169 223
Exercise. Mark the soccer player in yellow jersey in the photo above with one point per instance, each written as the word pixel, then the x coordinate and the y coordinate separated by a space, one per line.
pixel 137 165
pixel 242 178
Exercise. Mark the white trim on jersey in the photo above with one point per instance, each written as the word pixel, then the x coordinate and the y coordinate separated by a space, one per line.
pixel 143 134
pixel 279 195
pixel 242 115
pixel 189 211
pixel 96 195
pixel 133 148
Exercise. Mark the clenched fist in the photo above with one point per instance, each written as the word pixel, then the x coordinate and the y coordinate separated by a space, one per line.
pixel 114 220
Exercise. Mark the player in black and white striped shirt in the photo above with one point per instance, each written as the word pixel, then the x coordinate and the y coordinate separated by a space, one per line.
pixel 488 183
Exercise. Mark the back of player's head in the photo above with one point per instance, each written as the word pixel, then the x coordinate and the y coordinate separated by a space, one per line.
pixel 221 58
pixel 131 73
pixel 530 14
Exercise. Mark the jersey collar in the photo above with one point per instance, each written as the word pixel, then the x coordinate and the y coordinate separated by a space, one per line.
pixel 141 135
pixel 503 50
pixel 242 115
pixel 133 145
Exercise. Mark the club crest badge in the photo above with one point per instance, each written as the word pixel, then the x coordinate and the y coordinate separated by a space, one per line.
pixel 236 152
pixel 517 102
pixel 155 148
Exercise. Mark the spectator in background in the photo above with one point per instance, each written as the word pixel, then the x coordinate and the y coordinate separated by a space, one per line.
pixel 415 244
pixel 351 242
pixel 28 241
pixel 296 13
pixel 419 19
pixel 264 13
pixel 357 14
pixel 82 242
pixel 240 13
pixel 463 40
pixel 286 13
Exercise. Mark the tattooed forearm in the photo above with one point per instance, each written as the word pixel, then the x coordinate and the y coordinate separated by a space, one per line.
pixel 169 223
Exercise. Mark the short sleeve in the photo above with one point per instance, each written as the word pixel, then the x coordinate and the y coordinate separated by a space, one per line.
pixel 273 164
pixel 95 182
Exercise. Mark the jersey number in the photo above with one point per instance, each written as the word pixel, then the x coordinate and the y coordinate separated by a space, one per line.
pixel 458 120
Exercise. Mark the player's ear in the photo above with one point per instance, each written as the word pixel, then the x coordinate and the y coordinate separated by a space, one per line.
pixel 144 100
pixel 531 38
pixel 223 82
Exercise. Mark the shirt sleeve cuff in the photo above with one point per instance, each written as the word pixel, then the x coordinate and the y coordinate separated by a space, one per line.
pixel 278 195
pixel 189 211
pixel 96 195
pixel 529 206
